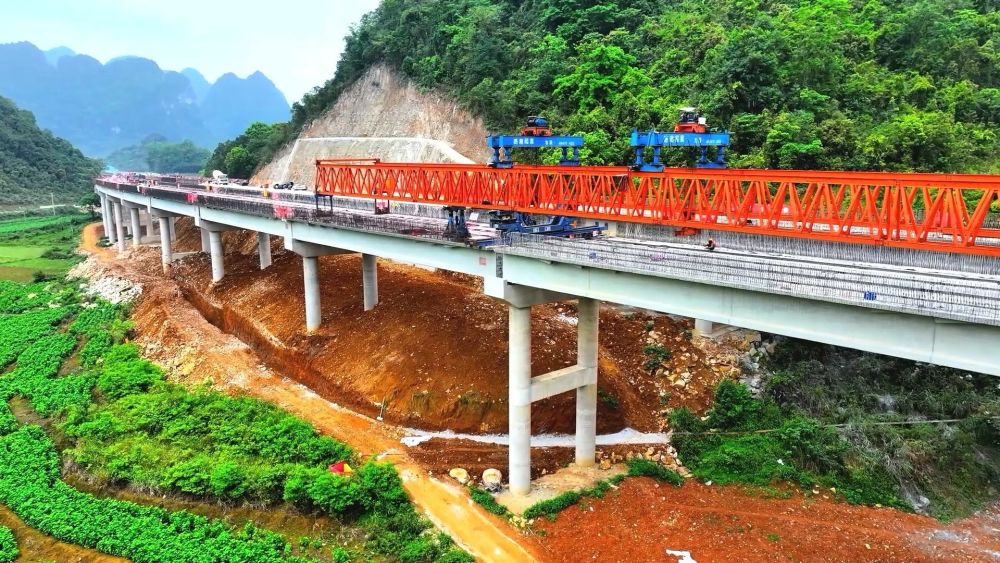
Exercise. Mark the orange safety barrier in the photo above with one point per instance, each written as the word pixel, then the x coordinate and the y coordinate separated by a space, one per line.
pixel 939 212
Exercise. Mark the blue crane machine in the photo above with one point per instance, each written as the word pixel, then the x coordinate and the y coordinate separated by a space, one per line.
pixel 537 135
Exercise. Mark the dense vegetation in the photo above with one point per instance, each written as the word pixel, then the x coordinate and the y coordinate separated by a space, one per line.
pixel 156 154
pixel 125 425
pixel 242 155
pixel 34 163
pixel 787 433
pixel 8 545
pixel 839 84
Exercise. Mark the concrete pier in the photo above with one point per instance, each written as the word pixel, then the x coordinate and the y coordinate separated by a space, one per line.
pixel 215 247
pixel 105 216
pixel 166 254
pixel 136 226
pixel 703 328
pixel 310 274
pixel 519 381
pixel 264 249
pixel 369 274
pixel 586 395
pixel 119 227
pixel 205 246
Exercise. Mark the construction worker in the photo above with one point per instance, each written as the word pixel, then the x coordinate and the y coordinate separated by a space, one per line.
pixel 710 245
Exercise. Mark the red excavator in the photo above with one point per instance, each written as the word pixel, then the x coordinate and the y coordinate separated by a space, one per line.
pixel 691 121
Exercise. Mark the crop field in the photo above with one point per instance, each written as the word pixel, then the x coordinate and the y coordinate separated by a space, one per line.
pixel 78 404
pixel 39 247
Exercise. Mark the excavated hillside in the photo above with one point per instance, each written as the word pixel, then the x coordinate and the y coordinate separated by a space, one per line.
pixel 382 115
pixel 434 351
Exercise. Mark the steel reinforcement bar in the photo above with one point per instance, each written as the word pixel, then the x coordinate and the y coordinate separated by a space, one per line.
pixel 937 212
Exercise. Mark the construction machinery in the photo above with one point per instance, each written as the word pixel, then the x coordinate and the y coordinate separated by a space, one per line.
pixel 691 121
pixel 691 130
pixel 537 126
pixel 537 135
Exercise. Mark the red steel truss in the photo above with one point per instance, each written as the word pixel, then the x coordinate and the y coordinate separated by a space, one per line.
pixel 940 212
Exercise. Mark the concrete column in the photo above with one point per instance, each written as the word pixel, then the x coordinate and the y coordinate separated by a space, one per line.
pixel 119 227
pixel 112 228
pixel 215 244
pixel 586 396
pixel 310 273
pixel 703 328
pixel 136 226
pixel 369 275
pixel 205 246
pixel 173 228
pixel 519 382
pixel 264 249
pixel 105 221
pixel 166 254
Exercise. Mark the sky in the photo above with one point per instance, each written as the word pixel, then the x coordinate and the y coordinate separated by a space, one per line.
pixel 296 43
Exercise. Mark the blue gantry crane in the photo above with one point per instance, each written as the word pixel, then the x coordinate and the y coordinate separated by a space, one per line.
pixel 536 135
pixel 691 131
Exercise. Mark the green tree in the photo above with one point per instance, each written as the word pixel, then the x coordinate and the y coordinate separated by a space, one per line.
pixel 239 163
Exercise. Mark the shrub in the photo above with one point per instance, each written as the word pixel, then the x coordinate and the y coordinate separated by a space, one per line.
pixel 486 500
pixel 381 490
pixel 8 546
pixel 656 356
pixel 553 506
pixel 335 494
pixel 118 379
pixel 228 480
pixel 638 467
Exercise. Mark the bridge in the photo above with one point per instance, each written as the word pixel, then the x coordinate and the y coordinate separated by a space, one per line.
pixel 897 264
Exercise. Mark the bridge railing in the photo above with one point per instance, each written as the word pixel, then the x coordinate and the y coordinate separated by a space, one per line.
pixel 941 212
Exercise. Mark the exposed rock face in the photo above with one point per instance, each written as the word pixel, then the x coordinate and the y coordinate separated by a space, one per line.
pixel 382 115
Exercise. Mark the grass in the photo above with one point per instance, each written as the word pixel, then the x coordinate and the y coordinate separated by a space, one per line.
pixel 638 467
pixel 486 500
pixel 553 506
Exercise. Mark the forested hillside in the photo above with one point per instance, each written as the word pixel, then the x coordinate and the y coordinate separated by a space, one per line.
pixel 842 84
pixel 35 163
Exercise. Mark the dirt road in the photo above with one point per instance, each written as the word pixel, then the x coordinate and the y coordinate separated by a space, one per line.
pixel 173 333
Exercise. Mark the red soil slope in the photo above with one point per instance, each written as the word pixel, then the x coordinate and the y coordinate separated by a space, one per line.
pixel 435 349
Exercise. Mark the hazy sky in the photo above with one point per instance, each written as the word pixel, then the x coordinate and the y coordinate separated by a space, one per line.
pixel 296 43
